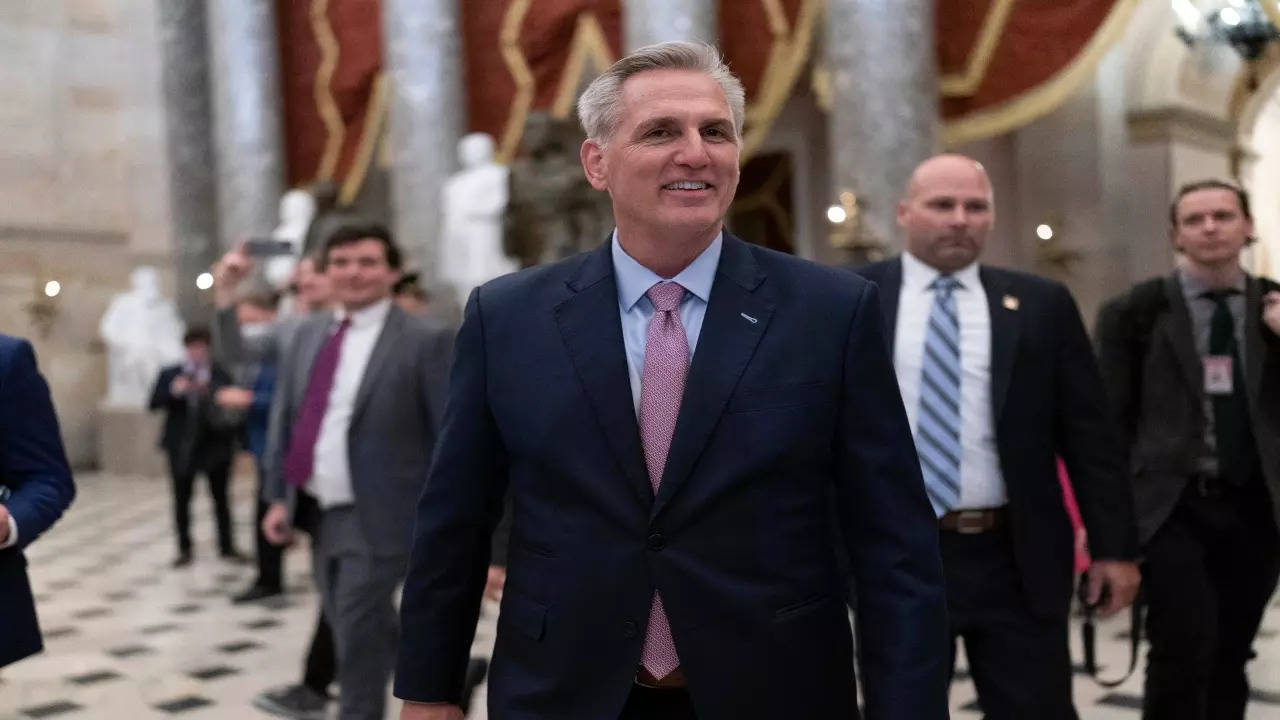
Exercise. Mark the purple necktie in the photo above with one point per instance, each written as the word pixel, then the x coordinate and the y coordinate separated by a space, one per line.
pixel 300 456
pixel 666 361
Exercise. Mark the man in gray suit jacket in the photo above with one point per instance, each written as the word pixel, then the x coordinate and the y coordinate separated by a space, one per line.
pixel 358 398
pixel 1192 365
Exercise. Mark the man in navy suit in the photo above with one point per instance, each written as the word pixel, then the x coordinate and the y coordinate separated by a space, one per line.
pixel 35 488
pixel 678 417
pixel 999 379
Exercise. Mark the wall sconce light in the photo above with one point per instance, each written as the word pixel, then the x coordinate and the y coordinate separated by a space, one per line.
pixel 43 307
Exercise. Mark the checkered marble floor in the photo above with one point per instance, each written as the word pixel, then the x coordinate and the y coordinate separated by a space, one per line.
pixel 128 637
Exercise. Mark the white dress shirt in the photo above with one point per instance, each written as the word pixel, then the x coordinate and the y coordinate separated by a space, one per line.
pixel 330 481
pixel 981 482
pixel 634 281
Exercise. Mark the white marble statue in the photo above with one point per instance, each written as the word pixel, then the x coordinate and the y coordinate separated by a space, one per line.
pixel 297 208
pixel 475 199
pixel 143 333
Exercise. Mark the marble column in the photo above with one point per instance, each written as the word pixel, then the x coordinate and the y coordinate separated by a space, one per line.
pixel 189 148
pixel 654 21
pixel 423 47
pixel 883 118
pixel 247 108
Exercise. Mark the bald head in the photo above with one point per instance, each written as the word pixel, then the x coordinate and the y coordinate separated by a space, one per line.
pixel 947 211
pixel 947 169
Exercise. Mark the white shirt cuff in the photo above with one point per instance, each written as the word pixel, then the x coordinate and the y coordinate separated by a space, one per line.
pixel 13 534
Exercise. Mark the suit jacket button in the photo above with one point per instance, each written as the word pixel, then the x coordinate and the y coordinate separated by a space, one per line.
pixel 628 629
pixel 657 542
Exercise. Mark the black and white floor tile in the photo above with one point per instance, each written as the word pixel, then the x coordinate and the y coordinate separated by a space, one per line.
pixel 128 637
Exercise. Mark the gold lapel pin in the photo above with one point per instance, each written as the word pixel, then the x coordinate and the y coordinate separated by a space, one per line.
pixel 1010 302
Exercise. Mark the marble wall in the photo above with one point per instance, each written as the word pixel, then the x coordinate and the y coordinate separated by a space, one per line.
pixel 83 183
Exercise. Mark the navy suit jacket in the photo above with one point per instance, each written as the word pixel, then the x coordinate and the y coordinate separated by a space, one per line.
pixel 791 416
pixel 1049 402
pixel 33 466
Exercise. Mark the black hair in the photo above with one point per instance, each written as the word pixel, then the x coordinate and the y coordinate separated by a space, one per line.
pixel 197 334
pixel 1199 185
pixel 353 232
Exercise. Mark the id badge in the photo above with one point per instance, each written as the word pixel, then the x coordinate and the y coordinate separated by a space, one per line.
pixel 1218 376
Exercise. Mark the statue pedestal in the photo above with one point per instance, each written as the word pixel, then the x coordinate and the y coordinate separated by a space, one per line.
pixel 127 440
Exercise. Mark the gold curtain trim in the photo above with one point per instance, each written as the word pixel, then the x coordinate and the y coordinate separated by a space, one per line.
pixel 967 82
pixel 518 66
pixel 1049 95
pixel 589 44
pixel 787 57
pixel 322 89
pixel 375 115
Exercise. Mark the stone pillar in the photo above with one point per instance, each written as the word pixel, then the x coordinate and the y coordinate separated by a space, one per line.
pixel 654 21
pixel 248 140
pixel 189 148
pixel 884 106
pixel 423 41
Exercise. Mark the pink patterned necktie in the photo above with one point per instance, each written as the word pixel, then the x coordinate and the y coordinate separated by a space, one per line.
pixel 666 361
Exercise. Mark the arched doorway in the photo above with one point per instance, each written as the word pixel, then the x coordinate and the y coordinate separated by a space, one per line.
pixel 1260 170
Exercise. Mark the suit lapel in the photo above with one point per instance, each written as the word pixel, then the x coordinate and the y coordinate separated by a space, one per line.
pixel 1004 334
pixel 1178 333
pixel 1254 347
pixel 890 291
pixel 725 346
pixel 591 329
pixel 383 350
pixel 310 338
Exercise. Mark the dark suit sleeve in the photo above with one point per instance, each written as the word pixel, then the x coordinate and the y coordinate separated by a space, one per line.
pixel 280 422
pixel 457 512
pixel 161 398
pixel 891 534
pixel 1116 363
pixel 33 463
pixel 1088 440
pixel 502 537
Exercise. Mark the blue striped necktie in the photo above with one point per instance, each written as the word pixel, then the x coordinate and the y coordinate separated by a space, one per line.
pixel 938 424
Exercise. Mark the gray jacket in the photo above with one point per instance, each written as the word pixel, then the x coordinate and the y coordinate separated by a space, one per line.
pixel 1154 378
pixel 393 429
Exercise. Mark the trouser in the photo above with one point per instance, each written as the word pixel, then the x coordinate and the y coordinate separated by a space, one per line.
pixel 357 593
pixel 1019 661
pixel 1208 575
pixel 269 555
pixel 184 479
pixel 321 666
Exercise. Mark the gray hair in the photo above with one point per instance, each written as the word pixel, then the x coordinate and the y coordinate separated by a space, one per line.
pixel 600 107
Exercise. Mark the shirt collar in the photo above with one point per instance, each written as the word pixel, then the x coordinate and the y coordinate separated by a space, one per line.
pixel 918 276
pixel 367 316
pixel 634 279
pixel 1193 288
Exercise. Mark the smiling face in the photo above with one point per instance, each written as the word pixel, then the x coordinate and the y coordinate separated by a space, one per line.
pixel 360 273
pixel 1211 227
pixel 671 164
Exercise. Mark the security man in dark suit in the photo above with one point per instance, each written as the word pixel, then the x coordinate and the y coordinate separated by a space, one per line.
pixel 1192 363
pixel 999 380
pixel 198 436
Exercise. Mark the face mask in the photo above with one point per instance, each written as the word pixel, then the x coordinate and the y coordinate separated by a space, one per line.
pixel 255 332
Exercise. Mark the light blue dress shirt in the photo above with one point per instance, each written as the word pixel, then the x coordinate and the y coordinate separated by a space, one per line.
pixel 634 280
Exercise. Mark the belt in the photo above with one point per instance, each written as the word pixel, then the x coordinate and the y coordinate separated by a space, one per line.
pixel 972 522
pixel 674 681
